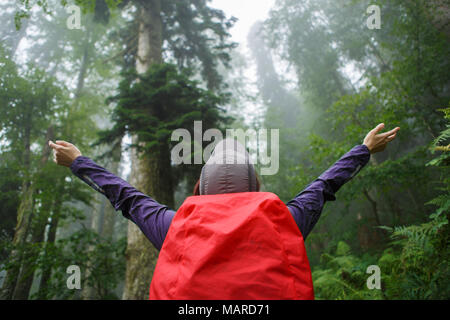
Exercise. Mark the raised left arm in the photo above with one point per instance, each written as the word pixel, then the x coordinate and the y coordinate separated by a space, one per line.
pixel 151 217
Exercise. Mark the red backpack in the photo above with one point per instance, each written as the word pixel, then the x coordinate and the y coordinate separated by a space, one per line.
pixel 235 246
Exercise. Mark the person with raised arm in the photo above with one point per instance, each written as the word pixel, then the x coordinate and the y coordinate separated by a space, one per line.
pixel 228 240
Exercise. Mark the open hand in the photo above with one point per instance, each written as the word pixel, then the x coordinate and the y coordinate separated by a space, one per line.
pixel 377 142
pixel 64 152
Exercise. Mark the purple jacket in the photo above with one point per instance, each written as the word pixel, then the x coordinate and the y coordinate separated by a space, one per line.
pixel 154 219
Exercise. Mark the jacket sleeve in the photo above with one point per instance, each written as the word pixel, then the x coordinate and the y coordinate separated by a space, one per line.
pixel 151 217
pixel 307 206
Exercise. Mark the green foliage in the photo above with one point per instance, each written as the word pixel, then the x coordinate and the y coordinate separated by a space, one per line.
pixel 415 266
pixel 35 107
pixel 419 268
pixel 88 6
pixel 10 185
pixel 422 270
pixel 343 276
pixel 29 99
pixel 101 263
pixel 399 77
pixel 154 104
pixel 197 35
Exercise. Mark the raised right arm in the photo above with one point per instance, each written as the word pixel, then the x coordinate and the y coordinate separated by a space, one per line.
pixel 307 206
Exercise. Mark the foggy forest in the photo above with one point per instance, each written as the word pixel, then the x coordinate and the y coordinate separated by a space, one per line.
pixel 117 78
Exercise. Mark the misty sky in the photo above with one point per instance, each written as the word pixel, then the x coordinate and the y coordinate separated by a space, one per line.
pixel 247 11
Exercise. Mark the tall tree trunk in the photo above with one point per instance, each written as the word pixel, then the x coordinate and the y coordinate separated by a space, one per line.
pixel 15 280
pixel 439 14
pixel 84 65
pixel 46 272
pixel 25 277
pixel 374 206
pixel 24 214
pixel 88 292
pixel 23 219
pixel 151 173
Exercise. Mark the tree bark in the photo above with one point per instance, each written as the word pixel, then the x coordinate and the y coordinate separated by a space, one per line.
pixel 26 275
pixel 84 65
pixel 46 272
pixel 151 173
pixel 24 213
pixel 439 14
pixel 373 204
pixel 88 292
pixel 18 279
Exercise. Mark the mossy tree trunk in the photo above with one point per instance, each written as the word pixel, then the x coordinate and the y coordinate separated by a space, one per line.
pixel 151 172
